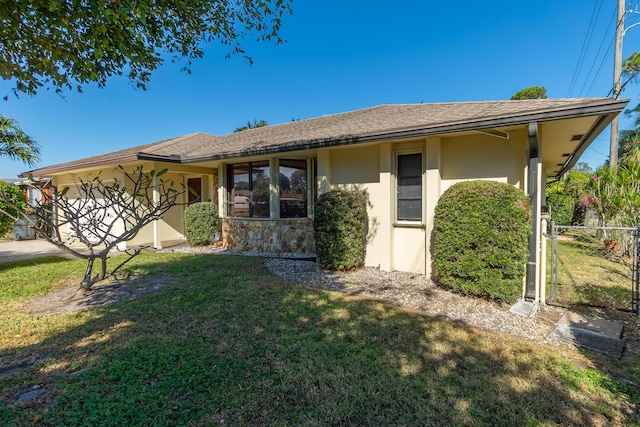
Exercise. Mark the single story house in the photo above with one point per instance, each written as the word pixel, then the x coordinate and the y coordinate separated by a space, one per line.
pixel 266 180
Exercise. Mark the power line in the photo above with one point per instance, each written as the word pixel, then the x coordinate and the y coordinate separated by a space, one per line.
pixel 602 61
pixel 606 33
pixel 585 44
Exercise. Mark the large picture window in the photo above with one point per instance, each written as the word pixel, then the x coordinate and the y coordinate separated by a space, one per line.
pixel 409 175
pixel 248 186
pixel 293 188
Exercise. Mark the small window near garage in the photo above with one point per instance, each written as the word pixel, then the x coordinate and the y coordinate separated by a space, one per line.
pixel 293 188
pixel 409 176
pixel 248 185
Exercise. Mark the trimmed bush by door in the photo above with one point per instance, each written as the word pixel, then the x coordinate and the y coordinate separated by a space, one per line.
pixel 481 239
pixel 201 223
pixel 340 229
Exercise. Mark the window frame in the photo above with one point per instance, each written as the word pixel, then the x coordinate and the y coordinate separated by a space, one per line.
pixel 403 219
pixel 274 187
pixel 279 190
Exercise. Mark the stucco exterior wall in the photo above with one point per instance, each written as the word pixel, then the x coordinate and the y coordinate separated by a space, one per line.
pixel 407 246
pixel 483 157
pixel 108 176
pixel 408 239
pixel 358 169
pixel 171 225
pixel 270 236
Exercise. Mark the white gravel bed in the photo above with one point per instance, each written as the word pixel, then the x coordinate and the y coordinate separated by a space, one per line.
pixel 418 293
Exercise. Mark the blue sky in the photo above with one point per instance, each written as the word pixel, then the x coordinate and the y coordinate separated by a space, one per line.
pixel 341 56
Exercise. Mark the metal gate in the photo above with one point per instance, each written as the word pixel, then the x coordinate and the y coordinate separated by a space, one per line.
pixel 595 267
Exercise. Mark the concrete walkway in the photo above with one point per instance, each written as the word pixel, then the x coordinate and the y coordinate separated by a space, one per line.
pixel 600 335
pixel 14 250
pixel 26 249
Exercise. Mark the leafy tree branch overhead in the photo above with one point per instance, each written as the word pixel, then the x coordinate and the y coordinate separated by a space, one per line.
pixel 67 44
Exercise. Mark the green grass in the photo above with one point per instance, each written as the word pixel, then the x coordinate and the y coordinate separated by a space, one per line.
pixel 587 277
pixel 230 343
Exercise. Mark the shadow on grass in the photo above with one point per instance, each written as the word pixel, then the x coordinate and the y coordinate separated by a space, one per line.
pixel 8 265
pixel 231 343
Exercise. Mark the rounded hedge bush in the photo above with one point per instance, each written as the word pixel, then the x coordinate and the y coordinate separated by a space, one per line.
pixel 201 223
pixel 481 239
pixel 340 229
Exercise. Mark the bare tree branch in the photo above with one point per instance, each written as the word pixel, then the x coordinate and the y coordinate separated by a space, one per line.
pixel 101 216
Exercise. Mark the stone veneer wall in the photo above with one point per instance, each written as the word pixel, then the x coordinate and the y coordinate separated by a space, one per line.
pixel 273 236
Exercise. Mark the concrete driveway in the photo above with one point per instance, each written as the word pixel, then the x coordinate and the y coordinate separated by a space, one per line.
pixel 26 249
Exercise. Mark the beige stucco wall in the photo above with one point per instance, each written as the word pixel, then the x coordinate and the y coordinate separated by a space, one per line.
pixel 407 246
pixel 479 156
pixel 359 169
pixel 391 245
pixel 170 226
pixel 408 241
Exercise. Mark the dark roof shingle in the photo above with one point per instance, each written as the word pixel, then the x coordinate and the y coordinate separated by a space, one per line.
pixel 369 124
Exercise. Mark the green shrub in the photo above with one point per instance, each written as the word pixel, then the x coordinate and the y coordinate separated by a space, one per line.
pixel 10 196
pixel 201 223
pixel 562 208
pixel 340 229
pixel 481 239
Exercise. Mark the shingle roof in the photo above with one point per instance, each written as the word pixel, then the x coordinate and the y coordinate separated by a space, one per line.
pixel 370 124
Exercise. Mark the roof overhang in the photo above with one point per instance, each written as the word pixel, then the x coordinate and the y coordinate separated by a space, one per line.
pixel 559 120
pixel 601 113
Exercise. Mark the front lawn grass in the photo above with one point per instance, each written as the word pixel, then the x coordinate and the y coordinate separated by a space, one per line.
pixel 230 343
pixel 588 275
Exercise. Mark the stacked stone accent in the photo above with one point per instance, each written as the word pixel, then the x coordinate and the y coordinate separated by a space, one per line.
pixel 279 236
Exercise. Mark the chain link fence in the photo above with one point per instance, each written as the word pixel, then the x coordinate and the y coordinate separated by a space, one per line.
pixel 594 267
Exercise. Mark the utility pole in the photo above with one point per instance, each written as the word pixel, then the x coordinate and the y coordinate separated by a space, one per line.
pixel 617 86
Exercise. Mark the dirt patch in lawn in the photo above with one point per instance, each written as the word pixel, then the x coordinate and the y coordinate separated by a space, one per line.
pixel 71 299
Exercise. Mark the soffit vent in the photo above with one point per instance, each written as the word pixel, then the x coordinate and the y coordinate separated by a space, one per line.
pixel 494 132
pixel 577 137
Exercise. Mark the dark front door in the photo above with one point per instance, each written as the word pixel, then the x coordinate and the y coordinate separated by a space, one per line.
pixel 195 192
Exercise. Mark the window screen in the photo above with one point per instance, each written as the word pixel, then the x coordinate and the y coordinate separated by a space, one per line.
pixel 410 187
